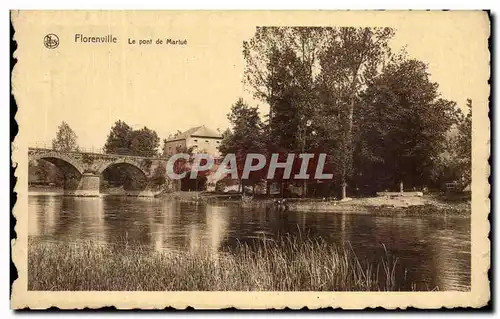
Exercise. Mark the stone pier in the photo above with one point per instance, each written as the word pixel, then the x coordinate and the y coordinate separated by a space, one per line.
pixel 88 186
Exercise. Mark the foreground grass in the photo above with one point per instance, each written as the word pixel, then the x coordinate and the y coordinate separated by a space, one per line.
pixel 283 265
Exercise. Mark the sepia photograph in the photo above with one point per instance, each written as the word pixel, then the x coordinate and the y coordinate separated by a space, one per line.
pixel 309 153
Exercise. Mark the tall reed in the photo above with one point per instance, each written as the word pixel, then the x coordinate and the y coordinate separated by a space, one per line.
pixel 286 264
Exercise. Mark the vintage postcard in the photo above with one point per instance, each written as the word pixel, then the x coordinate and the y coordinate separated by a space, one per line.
pixel 251 159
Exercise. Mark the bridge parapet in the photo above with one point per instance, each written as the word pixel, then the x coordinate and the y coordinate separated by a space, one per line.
pixel 83 170
pixel 94 154
pixel 95 162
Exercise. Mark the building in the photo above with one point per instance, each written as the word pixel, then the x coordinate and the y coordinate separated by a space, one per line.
pixel 200 138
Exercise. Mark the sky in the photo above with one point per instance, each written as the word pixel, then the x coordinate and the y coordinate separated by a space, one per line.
pixel 170 88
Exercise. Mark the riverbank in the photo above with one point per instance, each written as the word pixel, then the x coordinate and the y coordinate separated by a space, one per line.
pixel 45 190
pixel 283 265
pixel 420 206
pixel 115 191
pixel 408 205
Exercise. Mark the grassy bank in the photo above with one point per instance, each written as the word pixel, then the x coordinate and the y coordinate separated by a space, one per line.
pixel 426 210
pixel 285 265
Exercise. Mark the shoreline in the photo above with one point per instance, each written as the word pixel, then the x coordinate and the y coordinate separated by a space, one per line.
pixel 419 206
pixel 411 206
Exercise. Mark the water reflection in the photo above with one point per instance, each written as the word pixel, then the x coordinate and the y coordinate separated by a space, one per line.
pixel 56 219
pixel 432 252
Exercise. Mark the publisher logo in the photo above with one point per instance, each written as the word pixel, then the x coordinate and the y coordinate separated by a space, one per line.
pixel 51 41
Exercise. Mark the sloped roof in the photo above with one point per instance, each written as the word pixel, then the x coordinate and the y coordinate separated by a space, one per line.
pixel 201 131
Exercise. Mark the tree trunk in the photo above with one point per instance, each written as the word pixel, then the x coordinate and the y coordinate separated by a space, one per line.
pixel 348 147
pixel 304 188
pixel 401 187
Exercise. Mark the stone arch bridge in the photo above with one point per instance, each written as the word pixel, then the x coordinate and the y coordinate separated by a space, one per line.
pixel 83 171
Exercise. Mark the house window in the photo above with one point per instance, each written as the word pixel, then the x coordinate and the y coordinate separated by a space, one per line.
pixel 218 142
pixel 206 141
pixel 196 140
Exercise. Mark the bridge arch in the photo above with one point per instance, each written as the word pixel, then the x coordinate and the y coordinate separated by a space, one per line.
pixel 122 161
pixel 137 176
pixel 66 163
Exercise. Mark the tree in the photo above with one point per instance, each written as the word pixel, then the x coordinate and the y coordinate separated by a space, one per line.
pixel 65 140
pixel 403 125
pixel 464 146
pixel 312 78
pixel 123 140
pixel 281 68
pixel 350 61
pixel 144 142
pixel 245 138
pixel 159 175
pixel 454 163
pixel 119 139
pixel 341 90
pixel 45 172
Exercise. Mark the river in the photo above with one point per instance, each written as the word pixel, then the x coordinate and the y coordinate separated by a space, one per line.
pixel 432 252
